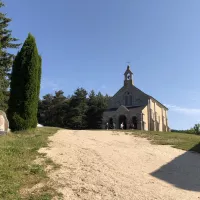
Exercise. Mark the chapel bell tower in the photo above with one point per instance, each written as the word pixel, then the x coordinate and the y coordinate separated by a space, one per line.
pixel 128 77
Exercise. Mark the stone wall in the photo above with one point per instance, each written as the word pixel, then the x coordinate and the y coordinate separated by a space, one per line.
pixel 138 97
pixel 158 116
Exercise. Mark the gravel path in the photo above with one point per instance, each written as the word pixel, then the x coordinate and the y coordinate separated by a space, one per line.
pixel 112 165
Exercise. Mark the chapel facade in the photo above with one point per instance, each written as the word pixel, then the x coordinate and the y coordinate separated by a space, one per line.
pixel 135 109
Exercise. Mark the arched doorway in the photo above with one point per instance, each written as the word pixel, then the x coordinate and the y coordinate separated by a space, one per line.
pixel 111 123
pixel 122 119
pixel 135 122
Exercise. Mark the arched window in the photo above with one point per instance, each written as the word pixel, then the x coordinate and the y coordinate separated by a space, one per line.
pixel 128 76
pixel 128 99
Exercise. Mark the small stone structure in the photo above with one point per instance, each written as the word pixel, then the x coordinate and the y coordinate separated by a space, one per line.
pixel 4 124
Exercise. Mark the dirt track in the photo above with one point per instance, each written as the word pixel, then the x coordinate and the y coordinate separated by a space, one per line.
pixel 112 165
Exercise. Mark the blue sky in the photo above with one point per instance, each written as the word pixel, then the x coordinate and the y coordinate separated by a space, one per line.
pixel 88 43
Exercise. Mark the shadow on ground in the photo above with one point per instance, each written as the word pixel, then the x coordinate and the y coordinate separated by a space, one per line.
pixel 183 172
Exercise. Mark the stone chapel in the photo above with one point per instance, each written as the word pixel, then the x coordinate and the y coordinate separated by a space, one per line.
pixel 135 109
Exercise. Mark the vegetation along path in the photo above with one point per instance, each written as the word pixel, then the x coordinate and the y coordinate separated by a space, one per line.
pixel 115 165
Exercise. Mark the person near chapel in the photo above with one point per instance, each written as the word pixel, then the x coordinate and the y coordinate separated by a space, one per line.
pixel 113 125
pixel 107 126
pixel 132 126
pixel 122 125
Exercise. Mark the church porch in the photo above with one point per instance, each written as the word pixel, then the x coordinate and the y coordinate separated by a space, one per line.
pixel 132 118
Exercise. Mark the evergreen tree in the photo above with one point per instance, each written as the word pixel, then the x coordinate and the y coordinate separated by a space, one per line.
pixel 102 104
pixel 96 106
pixel 78 107
pixel 75 112
pixel 39 74
pixel 53 110
pixel 197 129
pixel 61 109
pixel 6 58
pixel 45 107
pixel 92 110
pixel 25 86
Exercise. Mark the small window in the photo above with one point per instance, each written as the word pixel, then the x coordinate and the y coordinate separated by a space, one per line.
pixel 130 100
pixel 126 100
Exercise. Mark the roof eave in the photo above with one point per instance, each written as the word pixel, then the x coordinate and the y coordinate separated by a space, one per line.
pixel 158 102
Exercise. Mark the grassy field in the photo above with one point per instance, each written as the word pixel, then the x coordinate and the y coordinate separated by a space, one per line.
pixel 17 169
pixel 184 141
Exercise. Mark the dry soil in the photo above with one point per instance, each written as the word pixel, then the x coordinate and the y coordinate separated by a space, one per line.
pixel 111 165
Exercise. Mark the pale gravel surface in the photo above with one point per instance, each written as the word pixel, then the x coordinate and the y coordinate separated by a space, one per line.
pixel 112 165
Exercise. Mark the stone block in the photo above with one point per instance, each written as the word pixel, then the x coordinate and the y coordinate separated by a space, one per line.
pixel 4 123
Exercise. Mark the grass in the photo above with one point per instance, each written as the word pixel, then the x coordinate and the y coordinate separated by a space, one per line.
pixel 48 162
pixel 17 169
pixel 184 141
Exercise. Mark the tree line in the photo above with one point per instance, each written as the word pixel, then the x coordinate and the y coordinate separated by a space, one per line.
pixel 193 130
pixel 82 110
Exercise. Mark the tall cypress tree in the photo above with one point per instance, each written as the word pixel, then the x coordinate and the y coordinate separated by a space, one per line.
pixel 25 87
pixel 6 58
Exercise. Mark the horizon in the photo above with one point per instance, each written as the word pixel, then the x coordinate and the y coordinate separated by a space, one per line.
pixel 88 44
